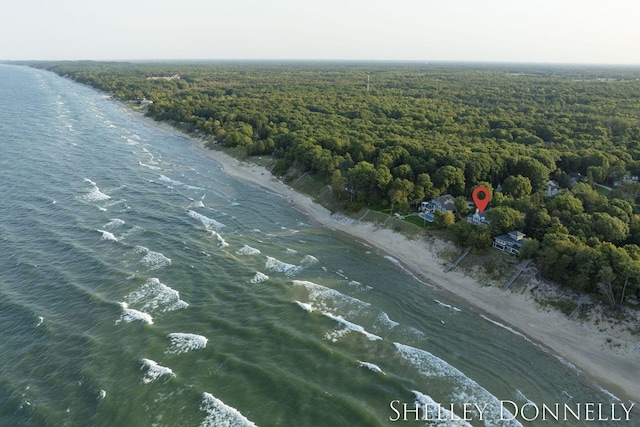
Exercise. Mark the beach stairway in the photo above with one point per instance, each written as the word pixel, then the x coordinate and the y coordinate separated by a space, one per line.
pixel 455 263
pixel 519 269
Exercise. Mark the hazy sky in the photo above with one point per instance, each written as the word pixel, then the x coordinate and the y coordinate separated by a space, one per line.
pixel 564 31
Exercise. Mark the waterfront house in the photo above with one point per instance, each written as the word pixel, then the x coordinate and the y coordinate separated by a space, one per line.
pixel 443 204
pixel 478 218
pixel 509 243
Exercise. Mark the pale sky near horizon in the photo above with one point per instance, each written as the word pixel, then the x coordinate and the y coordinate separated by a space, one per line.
pixel 549 31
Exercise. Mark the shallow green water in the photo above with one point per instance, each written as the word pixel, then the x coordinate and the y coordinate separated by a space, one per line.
pixel 140 286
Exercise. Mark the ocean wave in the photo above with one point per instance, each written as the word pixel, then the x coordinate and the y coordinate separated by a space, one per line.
pixel 462 387
pixel 273 264
pixel 305 306
pixel 329 299
pixel 371 367
pixel 221 242
pixel 205 220
pixel 440 303
pixel 106 235
pixel 346 327
pixel 434 411
pixel 154 371
pixel 114 223
pixel 183 343
pixel 155 296
pixel 259 278
pixel 309 259
pixel 131 315
pixel 247 250
pixel 221 415
pixel 153 260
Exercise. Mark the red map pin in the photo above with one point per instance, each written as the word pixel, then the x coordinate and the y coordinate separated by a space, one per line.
pixel 481 197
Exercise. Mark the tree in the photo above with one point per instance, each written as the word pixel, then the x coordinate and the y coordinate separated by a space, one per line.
pixel 449 179
pixel 337 182
pixel 517 186
pixel 504 219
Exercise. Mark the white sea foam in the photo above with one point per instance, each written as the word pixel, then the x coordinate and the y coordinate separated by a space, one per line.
pixel 291 251
pixel 170 181
pixel 273 264
pixel 114 223
pixel 247 250
pixel 221 415
pixel 221 242
pixel 130 315
pixel 155 168
pixel 309 259
pixel 156 297
pixel 153 371
pixel 95 195
pixel 102 394
pixel 183 343
pixel 346 328
pixel 205 220
pixel 40 321
pixel 329 299
pixel 447 305
pixel 106 235
pixel 434 411
pixel 305 306
pixel 384 319
pixel 259 278
pixel 463 388
pixel 153 260
pixel 371 367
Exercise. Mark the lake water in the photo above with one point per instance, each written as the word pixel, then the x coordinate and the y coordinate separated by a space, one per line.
pixel 140 286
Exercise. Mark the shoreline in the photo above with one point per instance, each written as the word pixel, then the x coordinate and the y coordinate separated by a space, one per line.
pixel 605 359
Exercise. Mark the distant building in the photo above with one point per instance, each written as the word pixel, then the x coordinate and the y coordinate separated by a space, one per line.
pixel 576 178
pixel 509 243
pixel 625 180
pixel 443 204
pixel 478 218
pixel 553 188
pixel 146 102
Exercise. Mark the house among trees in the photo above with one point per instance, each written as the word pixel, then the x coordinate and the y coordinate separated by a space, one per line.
pixel 509 243
pixel 478 218
pixel 553 188
pixel 443 204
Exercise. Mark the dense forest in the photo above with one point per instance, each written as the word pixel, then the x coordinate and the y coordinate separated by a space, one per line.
pixel 398 134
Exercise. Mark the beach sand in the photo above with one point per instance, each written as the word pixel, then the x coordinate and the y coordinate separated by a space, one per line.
pixel 601 350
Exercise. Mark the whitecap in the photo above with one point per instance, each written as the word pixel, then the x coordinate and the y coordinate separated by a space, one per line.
pixel 155 296
pixel 95 195
pixel 153 260
pixel 154 371
pixel 274 264
pixel 221 415
pixel 40 321
pixel 114 223
pixel 221 242
pixel 305 306
pixel 130 315
pixel 435 411
pixel 259 278
pixel 447 305
pixel 384 319
pixel 291 251
pixel 102 394
pixel 170 181
pixel 329 299
pixel 309 259
pixel 106 235
pixel 247 250
pixel 463 388
pixel 205 220
pixel 347 327
pixel 371 367
pixel 183 343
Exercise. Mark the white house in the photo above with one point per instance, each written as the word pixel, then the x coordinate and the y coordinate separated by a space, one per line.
pixel 444 204
pixel 478 218
pixel 509 243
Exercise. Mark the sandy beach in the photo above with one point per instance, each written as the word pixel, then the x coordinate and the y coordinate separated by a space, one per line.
pixel 602 351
